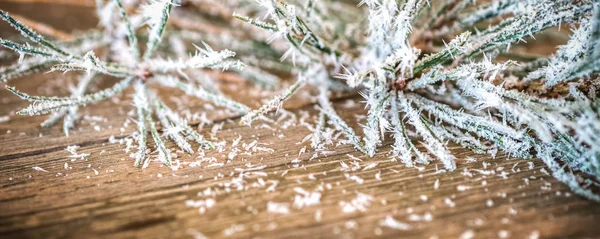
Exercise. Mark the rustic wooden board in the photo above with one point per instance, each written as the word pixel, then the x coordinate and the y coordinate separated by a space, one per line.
pixel 46 194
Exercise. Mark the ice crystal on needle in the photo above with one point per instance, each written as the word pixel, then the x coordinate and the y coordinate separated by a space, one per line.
pixel 434 70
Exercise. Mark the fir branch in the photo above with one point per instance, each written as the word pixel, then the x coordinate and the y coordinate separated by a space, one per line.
pixel 455 48
pixel 403 22
pixel 336 121
pixel 71 113
pixel 274 104
pixel 294 28
pixel 164 154
pixel 206 57
pixel 26 67
pixel 552 13
pixel 430 140
pixel 91 63
pixel 510 140
pixel 171 131
pixel 141 103
pixel 486 12
pixel 317 137
pixel 27 50
pixel 30 34
pixel 376 123
pixel 593 45
pixel 157 14
pixel 133 42
pixel 180 122
pixel 258 23
pixel 403 147
pixel 44 105
pixel 570 61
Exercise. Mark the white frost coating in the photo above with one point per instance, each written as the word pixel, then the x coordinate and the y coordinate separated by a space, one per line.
pixel 156 13
pixel 202 58
pixel 430 140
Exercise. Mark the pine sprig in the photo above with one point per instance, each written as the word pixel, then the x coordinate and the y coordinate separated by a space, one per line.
pixel 68 56
pixel 24 68
pixel 30 34
pixel 133 41
pixel 156 14
pixel 328 110
pixel 203 58
pixel 141 103
pixel 26 50
pixel 44 104
pixel 273 104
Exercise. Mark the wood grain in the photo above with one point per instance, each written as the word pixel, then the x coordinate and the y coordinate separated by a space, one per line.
pixel 103 195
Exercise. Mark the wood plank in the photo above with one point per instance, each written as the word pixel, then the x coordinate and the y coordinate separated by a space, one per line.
pixel 122 201
pixel 46 194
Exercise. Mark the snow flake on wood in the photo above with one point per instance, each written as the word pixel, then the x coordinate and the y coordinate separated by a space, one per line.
pixel 360 203
pixel 390 222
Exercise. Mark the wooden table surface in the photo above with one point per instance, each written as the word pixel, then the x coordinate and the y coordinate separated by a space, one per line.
pixel 47 193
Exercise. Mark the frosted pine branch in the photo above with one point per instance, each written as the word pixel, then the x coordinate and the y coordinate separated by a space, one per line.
pixel 376 123
pixel 27 50
pixel 339 123
pixel 206 57
pixel 403 147
pixel 141 104
pixel 44 105
pixel 133 42
pixel 430 140
pixel 69 56
pixel 71 113
pixel 592 49
pixel 25 67
pixel 156 14
pixel 31 35
pixel 273 104
pixel 179 122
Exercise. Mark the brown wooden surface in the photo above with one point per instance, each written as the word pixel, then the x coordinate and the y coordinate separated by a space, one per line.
pixel 104 196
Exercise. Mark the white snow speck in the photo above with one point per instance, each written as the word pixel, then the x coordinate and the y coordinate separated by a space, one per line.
pixel 36 168
pixel 390 222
